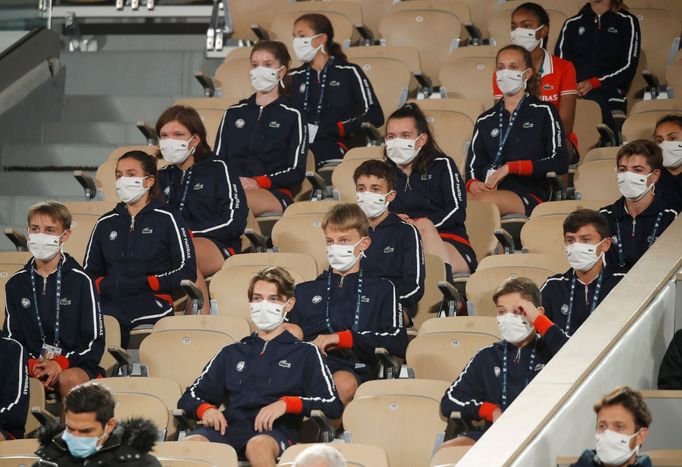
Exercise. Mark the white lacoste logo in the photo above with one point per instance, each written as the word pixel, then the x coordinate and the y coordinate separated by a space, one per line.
pixel 389 249
pixel 334 83
pixel 198 186
pixel 284 364
pixel 539 367
pixel 364 299
pixel 147 231
pixel 527 125
pixel 274 124
pixel 65 302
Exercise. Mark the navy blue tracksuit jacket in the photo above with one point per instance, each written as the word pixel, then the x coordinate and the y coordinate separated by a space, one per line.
pixel 396 253
pixel 214 206
pixel 13 389
pixel 81 330
pixel 253 373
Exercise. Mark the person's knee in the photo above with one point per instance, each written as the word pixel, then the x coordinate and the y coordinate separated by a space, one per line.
pixel 346 385
pixel 196 438
pixel 261 446
pixel 459 441
pixel 70 378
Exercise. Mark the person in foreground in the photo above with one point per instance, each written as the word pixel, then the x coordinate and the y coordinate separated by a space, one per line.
pixel 320 455
pixel 92 436
pixel 623 420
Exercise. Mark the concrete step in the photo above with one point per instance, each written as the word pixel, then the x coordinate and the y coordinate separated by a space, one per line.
pixel 55 155
pixel 43 185
pixel 114 108
pixel 117 133
pixel 13 209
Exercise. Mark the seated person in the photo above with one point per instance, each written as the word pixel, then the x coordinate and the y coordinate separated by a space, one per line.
pixel 396 251
pixel 623 421
pixel 200 188
pixel 641 215
pixel 263 138
pixel 52 308
pixel 13 389
pixel 570 298
pixel 319 455
pixel 517 142
pixel 345 313
pixel 670 373
pixel 267 382
pixel 430 193
pixel 139 252
pixel 530 341
pixel 668 136
pixel 92 436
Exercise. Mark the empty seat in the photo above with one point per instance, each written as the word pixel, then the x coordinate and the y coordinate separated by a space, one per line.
pixel 673 105
pixel 360 455
pixel 470 78
pixel 564 208
pixel 342 179
pixel 254 13
pixel 544 235
pixel 390 79
pixel 470 107
pixel 302 263
pixel 483 219
pixel 310 207
pixel 431 388
pixel 642 125
pixel 302 234
pixel 112 338
pixel 189 454
pixel 597 154
pixel 597 180
pixel 211 111
pixel 587 117
pixel 234 327
pixel 405 54
pixel 470 324
pixel 429 305
pixel 458 8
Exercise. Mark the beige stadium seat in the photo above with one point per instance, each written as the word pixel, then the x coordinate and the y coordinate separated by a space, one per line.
pixel 429 305
pixel 642 125
pixel 148 406
pixel 18 447
pixel 211 111
pixel 302 234
pixel 453 132
pixel 406 54
pixel 483 219
pixel 188 454
pixel 36 398
pixel 673 106
pixel 499 25
pixel 459 8
pixel 567 7
pixel 97 208
pixel 233 78
pixel 564 208
pixel 10 262
pixel 407 427
pixel 118 152
pixel 449 456
pixel 587 117
pixel 432 32
pixel 303 264
pixel 431 388
pixel 180 355
pixel 470 78
pixel 112 338
pixel 544 235
pixel 238 53
pixel 357 455
pixel 466 324
pixel 235 328
pixel 245 15
pixel 600 154
pixel 81 229
pixel 364 152
pixel 494 270
pixel 342 179
pixel 390 79
pixel 673 75
pixel 469 107
pixel 17 461
pixel 310 207
pixel 597 180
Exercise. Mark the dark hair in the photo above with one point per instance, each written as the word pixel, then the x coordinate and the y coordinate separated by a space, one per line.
pixel 52 209
pixel 533 84
pixel 91 397
pixel 617 5
pixel 148 163
pixel 281 54
pixel 320 24
pixel 190 119
pixel 582 217
pixel 430 150
pixel 642 147
pixel 274 275
pixel 538 11
pixel 376 168
pixel 670 118
pixel 631 400
pixel 521 285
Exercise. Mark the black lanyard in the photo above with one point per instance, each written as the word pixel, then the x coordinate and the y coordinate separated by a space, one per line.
pixel 505 136
pixel 595 298
pixel 504 371
pixel 323 85
pixel 58 294
pixel 650 240
pixel 188 179
pixel 356 318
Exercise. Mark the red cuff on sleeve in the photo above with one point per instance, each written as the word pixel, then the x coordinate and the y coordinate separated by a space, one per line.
pixel 542 324
pixel 342 129
pixel 191 234
pixel 486 411
pixel 62 361
pixel 153 282
pixel 294 404
pixel 203 408
pixel 594 82
pixel 31 366
pixel 345 340
pixel 98 281
pixel 263 181
pixel 524 168
pixel 468 184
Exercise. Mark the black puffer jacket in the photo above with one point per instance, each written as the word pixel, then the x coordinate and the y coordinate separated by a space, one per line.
pixel 129 445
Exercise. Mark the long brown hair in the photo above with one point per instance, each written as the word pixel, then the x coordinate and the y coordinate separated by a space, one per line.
pixel 281 54
pixel 533 83
pixel 148 163
pixel 190 119
pixel 320 24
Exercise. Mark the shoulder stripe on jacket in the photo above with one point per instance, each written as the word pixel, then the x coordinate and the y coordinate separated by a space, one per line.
pixel 448 164
pixel 92 236
pixel 329 381
pixel 179 238
pixel 563 34
pixel 20 380
pixel 230 194
pixel 95 321
pixel 630 50
pixel 419 262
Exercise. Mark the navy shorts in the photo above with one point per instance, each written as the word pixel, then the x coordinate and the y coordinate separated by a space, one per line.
pixel 529 201
pixel 135 310
pixel 227 249
pixel 362 373
pixel 284 199
pixel 464 249
pixel 238 435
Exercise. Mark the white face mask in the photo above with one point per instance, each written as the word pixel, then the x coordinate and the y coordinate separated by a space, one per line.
pixel 402 151
pixel 267 315
pixel 582 256
pixel 175 151
pixel 43 246
pixel 264 79
pixel 372 204
pixel 525 38
pixel 510 82
pixel 130 189
pixel 613 448
pixel 304 50
pixel 633 186
pixel 513 328
pixel 342 257
pixel 672 153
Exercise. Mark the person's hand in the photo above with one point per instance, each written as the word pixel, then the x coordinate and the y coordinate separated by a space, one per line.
pixel 496 177
pixel 584 87
pixel 477 187
pixel 47 371
pixel 496 414
pixel 528 310
pixel 323 341
pixel 268 414
pixel 215 419
pixel 248 183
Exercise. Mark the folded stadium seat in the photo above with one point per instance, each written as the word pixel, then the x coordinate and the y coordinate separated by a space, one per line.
pixel 310 207
pixel 19 447
pixel 484 228
pixel 406 426
pixel 443 352
pixel 585 125
pixel 409 56
pixel 642 125
pixel 431 302
pixel 494 270
pixel 302 234
pixel 564 208
pixel 433 32
pixel 303 264
pixel 360 455
pixel 211 111
pixel 112 339
pixel 10 262
pixel 390 79
pixel 459 8
pixel 448 456
pixel 469 74
pixel 364 153
pixel 543 235
pixel 472 108
pixel 597 180
pixel 180 454
pixel 342 179
pixel 600 154
pixel 500 30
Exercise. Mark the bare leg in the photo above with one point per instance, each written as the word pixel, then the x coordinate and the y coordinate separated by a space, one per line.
pixel 506 201
pixel 209 261
pixel 459 441
pixel 434 245
pixel 262 451
pixel 70 378
pixel 196 438
pixel 346 385
pixel 261 200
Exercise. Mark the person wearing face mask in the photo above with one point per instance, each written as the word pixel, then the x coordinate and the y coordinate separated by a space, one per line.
pixel 92 436
pixel 396 251
pixel 641 215
pixel 430 193
pixel 346 313
pixel 623 421
pixel 200 187
pixel 530 29
pixel 14 403
pixel 517 142
pixel 263 138
pixel 141 251
pixel 668 136
pixel 52 306
pixel 603 42
pixel 261 420
pixel 335 96
pixel 497 374
pixel 570 298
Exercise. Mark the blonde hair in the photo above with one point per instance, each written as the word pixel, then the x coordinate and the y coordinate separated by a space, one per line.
pixel 52 209
pixel 346 216
pixel 274 275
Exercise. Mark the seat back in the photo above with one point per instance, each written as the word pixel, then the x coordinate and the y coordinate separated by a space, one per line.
pixel 470 107
pixel 310 207
pixel 96 208
pixel 458 8
pixel 236 328
pixel 597 180
pixel 405 54
pixel 429 305
pixel 213 454
pixel 356 455
pixel 390 79
pixel 112 338
pixel 342 179
pixel 364 152
pixel 148 406
pixel 564 208
pixel 600 154
pixel 166 390
pixel 252 13
pixel 234 78
pixel 82 226
pixel 666 406
pixel 466 324
pixel 303 264
pixel 36 398
pixel 19 447
pixel 567 7
pixel 431 388
pixel 302 234
pixel 587 117
pixel 10 262
pixel 483 218
pixel 673 105
pixel 211 111
pixel 544 234
pixel 642 125
pixel 448 456
pixel 453 132
pixel 470 78
pixel 18 460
